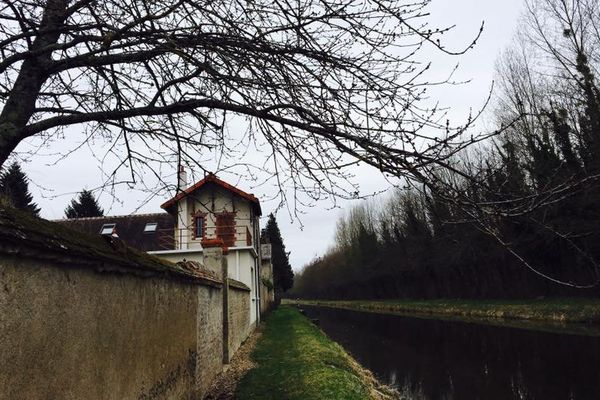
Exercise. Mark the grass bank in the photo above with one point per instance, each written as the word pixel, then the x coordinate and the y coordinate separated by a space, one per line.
pixel 543 310
pixel 296 360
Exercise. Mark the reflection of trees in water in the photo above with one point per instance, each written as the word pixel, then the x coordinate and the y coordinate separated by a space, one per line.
pixel 433 360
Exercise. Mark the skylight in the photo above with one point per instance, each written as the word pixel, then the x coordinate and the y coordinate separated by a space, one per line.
pixel 150 227
pixel 107 229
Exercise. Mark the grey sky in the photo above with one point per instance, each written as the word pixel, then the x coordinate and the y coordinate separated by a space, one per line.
pixel 54 185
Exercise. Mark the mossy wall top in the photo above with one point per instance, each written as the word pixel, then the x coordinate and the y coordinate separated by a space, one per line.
pixel 23 234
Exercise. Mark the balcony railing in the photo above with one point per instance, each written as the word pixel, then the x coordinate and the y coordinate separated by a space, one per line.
pixel 184 238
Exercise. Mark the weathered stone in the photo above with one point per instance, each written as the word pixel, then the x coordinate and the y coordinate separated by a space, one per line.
pixel 239 317
pixel 77 334
pixel 82 320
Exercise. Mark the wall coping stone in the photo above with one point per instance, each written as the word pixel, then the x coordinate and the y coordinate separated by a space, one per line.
pixel 237 284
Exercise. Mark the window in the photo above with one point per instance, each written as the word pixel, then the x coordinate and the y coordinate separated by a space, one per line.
pixel 199 227
pixel 107 229
pixel 150 227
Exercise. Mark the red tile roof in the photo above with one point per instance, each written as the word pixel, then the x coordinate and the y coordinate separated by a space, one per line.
pixel 212 179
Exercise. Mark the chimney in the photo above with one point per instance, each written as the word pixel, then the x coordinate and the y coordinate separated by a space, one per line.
pixel 181 178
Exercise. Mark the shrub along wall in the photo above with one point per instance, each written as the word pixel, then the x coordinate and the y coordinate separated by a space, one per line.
pixel 84 317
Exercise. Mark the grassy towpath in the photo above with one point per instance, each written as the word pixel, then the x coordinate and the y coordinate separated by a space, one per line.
pixel 548 310
pixel 567 315
pixel 296 360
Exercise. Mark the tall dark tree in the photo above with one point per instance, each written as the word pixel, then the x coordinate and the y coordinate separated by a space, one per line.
pixel 283 275
pixel 14 186
pixel 85 205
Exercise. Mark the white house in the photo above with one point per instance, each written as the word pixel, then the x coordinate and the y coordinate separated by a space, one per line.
pixel 212 209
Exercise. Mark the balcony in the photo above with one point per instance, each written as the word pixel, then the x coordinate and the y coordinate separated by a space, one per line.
pixel 183 239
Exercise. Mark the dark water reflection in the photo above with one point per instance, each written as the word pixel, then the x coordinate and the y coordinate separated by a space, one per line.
pixel 431 359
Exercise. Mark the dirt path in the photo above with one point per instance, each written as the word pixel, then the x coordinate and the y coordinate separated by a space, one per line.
pixel 224 386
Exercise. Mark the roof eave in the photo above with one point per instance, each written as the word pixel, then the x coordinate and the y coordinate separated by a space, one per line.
pixel 168 205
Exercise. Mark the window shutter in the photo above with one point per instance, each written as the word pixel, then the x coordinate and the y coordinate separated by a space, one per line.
pixel 226 228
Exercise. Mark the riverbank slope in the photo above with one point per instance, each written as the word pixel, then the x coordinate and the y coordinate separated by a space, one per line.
pixel 543 310
pixel 296 360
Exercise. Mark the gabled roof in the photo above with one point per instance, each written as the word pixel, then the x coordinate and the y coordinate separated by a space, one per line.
pixel 211 179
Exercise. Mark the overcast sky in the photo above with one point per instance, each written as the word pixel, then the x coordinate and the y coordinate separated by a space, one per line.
pixel 53 184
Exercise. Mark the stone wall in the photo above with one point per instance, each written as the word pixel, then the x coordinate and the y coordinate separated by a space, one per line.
pixel 86 318
pixel 239 314
pixel 72 333
pixel 209 330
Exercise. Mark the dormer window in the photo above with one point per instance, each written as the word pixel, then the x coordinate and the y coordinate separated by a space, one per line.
pixel 107 229
pixel 150 227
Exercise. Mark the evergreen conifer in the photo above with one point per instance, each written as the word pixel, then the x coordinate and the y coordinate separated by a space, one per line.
pixel 14 187
pixel 85 205
pixel 283 276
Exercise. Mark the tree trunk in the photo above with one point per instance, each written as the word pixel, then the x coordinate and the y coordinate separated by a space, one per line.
pixel 34 71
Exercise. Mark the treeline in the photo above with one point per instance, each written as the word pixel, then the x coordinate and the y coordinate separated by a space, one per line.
pixel 519 217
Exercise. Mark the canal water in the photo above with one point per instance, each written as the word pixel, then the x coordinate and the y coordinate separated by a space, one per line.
pixel 447 360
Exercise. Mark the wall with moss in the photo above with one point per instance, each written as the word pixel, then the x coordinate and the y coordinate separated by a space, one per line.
pixel 84 317
pixel 74 333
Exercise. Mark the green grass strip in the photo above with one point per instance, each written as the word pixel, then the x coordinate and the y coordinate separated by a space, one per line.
pixel 551 310
pixel 296 360
pixel 578 316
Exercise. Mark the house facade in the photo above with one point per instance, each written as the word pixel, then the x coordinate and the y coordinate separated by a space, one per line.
pixel 213 210
pixel 209 212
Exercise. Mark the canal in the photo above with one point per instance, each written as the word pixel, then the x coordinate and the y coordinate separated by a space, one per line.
pixel 429 359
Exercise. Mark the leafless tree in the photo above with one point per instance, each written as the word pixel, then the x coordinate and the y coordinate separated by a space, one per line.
pixel 325 84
